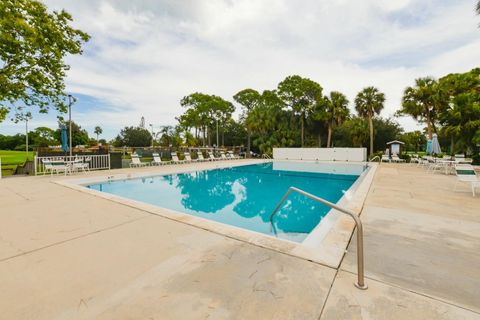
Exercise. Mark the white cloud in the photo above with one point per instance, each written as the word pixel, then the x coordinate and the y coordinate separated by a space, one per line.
pixel 144 56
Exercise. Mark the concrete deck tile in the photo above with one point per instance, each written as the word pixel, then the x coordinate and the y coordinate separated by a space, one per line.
pixel 382 301
pixel 66 254
pixel 154 268
pixel 431 244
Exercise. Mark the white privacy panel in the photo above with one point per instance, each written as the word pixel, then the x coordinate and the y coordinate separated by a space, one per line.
pixel 321 154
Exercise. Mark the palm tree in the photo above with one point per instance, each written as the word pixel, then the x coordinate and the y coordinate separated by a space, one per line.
pixel 422 102
pixel 368 103
pixel 98 131
pixel 336 112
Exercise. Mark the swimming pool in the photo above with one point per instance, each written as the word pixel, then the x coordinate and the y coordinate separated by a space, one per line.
pixel 244 196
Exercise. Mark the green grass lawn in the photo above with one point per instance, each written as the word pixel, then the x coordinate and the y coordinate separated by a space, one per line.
pixel 11 159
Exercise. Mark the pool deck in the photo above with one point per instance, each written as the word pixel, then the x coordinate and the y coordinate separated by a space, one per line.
pixel 66 254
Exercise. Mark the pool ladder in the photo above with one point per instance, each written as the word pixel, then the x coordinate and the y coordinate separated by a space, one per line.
pixel 360 284
pixel 376 157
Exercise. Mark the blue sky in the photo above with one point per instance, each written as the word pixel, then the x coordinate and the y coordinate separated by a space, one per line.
pixel 144 56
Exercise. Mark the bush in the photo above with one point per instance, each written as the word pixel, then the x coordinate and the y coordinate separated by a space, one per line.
pixel 476 159
pixel 406 157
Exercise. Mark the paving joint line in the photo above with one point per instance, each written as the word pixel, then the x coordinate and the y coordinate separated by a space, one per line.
pixel 70 239
pixel 415 292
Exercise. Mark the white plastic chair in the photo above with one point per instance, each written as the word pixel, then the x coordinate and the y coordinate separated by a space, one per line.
pixel 396 158
pixel 187 156
pixel 211 157
pixel 157 161
pixel 223 156
pixel 55 166
pixel 175 158
pixel 232 155
pixel 136 163
pixel 200 157
pixel 466 173
pixel 78 165
pixel 385 158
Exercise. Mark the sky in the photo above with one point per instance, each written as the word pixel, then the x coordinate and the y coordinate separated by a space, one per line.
pixel 145 55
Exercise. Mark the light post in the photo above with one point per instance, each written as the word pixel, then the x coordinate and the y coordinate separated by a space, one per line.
pixel 71 100
pixel 26 137
pixel 26 116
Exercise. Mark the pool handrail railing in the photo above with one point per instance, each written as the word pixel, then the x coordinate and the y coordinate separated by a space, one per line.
pixel 360 284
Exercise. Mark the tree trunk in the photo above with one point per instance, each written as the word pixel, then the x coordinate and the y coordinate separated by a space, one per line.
pixel 370 123
pixel 204 129
pixel 249 137
pixel 319 140
pixel 329 136
pixel 429 127
pixel 209 135
pixel 302 123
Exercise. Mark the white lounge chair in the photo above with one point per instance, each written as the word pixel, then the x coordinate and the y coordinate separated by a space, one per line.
pixel 55 166
pixel 157 161
pixel 466 173
pixel 187 156
pixel 385 158
pixel 79 165
pixel 415 159
pixel 223 156
pixel 211 157
pixel 200 157
pixel 396 158
pixel 232 155
pixel 175 158
pixel 136 163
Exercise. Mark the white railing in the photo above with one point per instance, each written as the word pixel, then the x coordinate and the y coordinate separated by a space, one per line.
pixel 96 162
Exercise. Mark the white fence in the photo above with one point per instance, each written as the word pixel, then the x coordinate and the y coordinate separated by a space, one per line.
pixel 321 154
pixel 96 162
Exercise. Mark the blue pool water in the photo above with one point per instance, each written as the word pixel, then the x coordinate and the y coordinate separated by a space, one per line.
pixel 245 196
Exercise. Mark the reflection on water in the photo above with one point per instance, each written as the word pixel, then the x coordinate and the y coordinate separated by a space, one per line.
pixel 242 196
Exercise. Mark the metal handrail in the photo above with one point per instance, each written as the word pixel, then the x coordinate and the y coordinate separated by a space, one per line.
pixel 360 267
pixel 379 160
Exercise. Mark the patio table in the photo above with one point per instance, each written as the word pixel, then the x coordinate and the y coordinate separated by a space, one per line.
pixel 447 163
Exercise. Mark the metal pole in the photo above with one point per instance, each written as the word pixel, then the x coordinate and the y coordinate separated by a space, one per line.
pixel 70 124
pixel 360 284
pixel 26 136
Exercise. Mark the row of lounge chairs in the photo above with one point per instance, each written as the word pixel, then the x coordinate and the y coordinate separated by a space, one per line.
pixel 446 164
pixel 59 165
pixel 136 161
pixel 394 158
pixel 458 165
